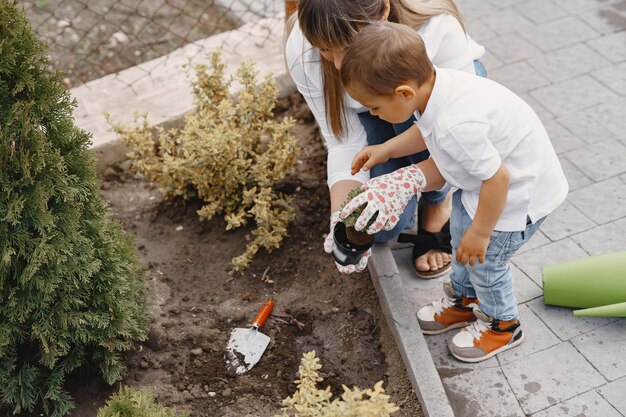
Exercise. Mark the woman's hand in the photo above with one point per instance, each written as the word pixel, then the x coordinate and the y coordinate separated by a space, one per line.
pixel 329 243
pixel 370 156
pixel 472 247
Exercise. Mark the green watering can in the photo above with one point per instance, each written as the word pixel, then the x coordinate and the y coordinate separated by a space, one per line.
pixel 597 284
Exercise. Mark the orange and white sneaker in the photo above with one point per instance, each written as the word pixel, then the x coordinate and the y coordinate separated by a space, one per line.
pixel 450 312
pixel 485 338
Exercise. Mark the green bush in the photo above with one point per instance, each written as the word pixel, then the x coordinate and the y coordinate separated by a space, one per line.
pixel 72 291
pixel 310 401
pixel 231 153
pixel 132 402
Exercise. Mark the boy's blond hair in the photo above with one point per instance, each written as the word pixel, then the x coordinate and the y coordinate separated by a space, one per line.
pixel 383 56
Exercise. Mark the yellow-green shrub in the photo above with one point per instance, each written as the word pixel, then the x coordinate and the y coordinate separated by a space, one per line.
pixel 310 401
pixel 132 402
pixel 231 153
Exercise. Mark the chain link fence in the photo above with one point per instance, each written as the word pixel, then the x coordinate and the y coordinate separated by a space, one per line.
pixel 92 38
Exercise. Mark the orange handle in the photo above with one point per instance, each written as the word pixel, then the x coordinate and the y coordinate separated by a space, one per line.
pixel 263 313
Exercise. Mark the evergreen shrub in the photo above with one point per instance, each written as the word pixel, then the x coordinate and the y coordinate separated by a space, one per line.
pixel 72 291
pixel 231 153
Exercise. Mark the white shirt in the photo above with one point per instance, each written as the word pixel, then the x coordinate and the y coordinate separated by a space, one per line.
pixel 471 125
pixel 447 46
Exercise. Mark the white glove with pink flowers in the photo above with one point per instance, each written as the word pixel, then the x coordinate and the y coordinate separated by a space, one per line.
pixel 386 196
pixel 329 242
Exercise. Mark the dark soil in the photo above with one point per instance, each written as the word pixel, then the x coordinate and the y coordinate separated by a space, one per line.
pixel 197 303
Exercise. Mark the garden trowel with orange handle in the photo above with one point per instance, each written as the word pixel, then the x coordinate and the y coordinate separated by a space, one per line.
pixel 246 346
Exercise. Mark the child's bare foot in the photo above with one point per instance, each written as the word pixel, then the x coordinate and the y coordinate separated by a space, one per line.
pixel 434 218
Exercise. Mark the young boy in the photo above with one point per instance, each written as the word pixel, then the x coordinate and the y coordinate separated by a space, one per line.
pixel 483 140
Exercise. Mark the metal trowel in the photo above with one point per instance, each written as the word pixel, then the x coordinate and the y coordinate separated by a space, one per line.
pixel 246 346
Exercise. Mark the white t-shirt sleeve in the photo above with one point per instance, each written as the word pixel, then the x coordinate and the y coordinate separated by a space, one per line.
pixel 304 67
pixel 469 145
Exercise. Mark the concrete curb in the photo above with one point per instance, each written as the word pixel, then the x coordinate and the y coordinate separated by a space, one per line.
pixel 406 332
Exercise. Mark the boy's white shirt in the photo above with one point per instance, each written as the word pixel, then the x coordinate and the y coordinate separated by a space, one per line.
pixel 447 46
pixel 471 125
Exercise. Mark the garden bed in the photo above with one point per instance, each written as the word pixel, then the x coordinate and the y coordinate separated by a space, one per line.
pixel 197 303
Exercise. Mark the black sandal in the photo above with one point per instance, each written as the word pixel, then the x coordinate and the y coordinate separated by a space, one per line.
pixel 425 241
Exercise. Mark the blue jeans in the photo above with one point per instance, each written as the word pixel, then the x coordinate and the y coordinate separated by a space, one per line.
pixel 491 282
pixel 480 69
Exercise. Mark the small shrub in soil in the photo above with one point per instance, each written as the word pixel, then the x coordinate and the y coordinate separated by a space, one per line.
pixel 231 153
pixel 360 238
pixel 132 402
pixel 72 291
pixel 310 401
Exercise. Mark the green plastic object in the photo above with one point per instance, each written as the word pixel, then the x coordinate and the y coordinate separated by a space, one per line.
pixel 588 282
pixel 612 310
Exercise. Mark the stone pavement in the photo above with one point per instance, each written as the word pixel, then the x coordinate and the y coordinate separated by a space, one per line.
pixel 568 60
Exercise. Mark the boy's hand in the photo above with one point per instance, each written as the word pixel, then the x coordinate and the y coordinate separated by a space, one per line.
pixel 472 247
pixel 370 156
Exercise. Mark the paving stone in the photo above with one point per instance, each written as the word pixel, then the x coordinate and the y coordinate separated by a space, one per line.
pixel 478 30
pixel 587 404
pixel 602 202
pixel 473 10
pixel 609 152
pixel 482 392
pixel 558 33
pixel 612 46
pixel 614 394
pixel 613 77
pixel 586 126
pixel 518 77
pixel 506 20
pixel 540 11
pixel 490 61
pixel 562 139
pixel 524 287
pixel 573 95
pixel 512 47
pixel 568 62
pixel 576 6
pixel 605 348
pixel 539 239
pixel 543 113
pixel 575 177
pixel 536 334
pixel 604 19
pixel 562 321
pixel 419 291
pixel 542 380
pixel 565 221
pixel 603 239
pixel 532 261
pixel 611 115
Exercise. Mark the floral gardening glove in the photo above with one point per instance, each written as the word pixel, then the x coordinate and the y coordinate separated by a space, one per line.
pixel 386 196
pixel 329 242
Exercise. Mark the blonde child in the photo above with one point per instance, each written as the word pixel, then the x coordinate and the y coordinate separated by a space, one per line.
pixel 485 141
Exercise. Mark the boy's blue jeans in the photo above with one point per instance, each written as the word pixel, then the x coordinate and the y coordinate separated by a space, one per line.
pixel 379 131
pixel 491 282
